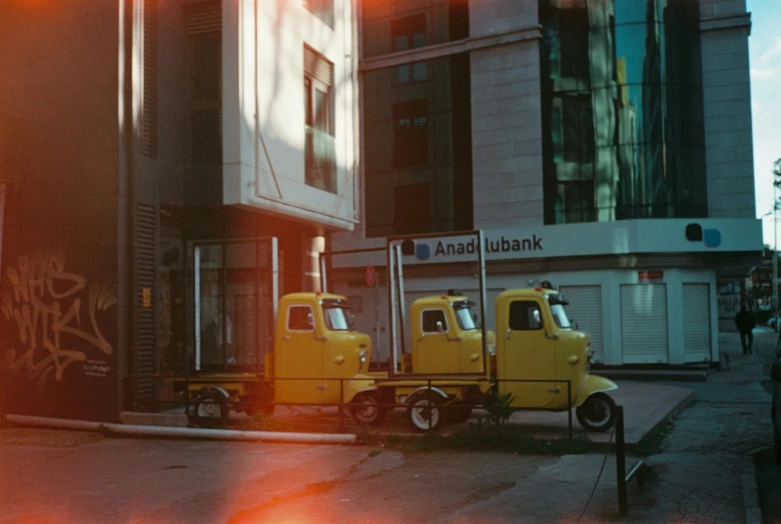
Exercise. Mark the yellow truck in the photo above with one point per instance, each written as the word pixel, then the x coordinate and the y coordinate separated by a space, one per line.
pixel 537 359
pixel 317 359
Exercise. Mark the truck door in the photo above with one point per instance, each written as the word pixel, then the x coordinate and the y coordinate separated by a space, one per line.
pixel 435 353
pixel 526 354
pixel 298 370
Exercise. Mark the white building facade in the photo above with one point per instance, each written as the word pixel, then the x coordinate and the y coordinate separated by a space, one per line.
pixel 603 146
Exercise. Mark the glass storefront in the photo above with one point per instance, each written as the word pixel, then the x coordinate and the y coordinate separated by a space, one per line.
pixel 622 110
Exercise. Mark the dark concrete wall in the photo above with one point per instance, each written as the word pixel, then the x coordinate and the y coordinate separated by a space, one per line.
pixel 58 286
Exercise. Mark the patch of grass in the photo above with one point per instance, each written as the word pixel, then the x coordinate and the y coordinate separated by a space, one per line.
pixel 485 437
pixel 262 422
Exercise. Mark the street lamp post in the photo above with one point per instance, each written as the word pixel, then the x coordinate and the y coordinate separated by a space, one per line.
pixel 776 183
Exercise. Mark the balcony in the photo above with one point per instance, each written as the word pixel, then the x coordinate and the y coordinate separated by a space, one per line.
pixel 320 151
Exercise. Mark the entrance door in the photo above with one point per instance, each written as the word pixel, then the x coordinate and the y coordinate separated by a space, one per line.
pixel 435 353
pixel 298 363
pixel 527 354
pixel 234 295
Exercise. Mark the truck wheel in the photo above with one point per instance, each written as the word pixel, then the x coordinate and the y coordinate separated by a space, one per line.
pixel 425 411
pixel 365 409
pixel 459 413
pixel 211 409
pixel 597 413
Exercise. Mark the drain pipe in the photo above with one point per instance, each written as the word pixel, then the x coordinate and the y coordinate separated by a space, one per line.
pixel 192 433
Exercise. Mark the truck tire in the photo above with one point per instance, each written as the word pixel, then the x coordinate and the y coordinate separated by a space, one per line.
pixel 425 411
pixel 365 409
pixel 597 413
pixel 211 408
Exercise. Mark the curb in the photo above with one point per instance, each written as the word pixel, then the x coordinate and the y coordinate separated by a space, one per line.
pixel 185 433
pixel 687 401
pixel 750 492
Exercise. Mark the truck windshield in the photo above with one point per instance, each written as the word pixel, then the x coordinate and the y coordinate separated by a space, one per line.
pixel 337 318
pixel 560 316
pixel 464 316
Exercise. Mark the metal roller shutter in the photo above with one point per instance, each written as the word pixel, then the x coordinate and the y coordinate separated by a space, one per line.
pixel 696 322
pixel 585 308
pixel 644 323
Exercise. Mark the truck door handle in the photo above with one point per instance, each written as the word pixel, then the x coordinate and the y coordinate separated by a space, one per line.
pixel 321 388
pixel 508 334
pixel 286 337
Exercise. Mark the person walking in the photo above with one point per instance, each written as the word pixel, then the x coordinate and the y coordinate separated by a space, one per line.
pixel 745 323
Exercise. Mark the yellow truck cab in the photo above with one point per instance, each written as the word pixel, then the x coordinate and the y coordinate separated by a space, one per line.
pixel 318 356
pixel 445 338
pixel 538 342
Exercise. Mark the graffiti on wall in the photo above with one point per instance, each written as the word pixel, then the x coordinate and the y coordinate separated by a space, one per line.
pixel 54 318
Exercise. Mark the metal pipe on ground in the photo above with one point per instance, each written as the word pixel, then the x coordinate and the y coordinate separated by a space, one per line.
pixel 194 433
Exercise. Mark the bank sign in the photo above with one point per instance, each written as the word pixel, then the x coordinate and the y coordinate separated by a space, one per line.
pixel 567 240
pixel 449 248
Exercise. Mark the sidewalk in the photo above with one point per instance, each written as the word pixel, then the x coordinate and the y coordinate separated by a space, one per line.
pixel 351 483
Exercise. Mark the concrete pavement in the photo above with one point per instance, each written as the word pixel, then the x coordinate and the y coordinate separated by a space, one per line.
pixel 703 473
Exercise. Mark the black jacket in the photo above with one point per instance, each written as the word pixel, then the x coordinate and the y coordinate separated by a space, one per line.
pixel 745 321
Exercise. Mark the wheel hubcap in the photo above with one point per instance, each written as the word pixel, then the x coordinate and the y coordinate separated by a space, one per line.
pixel 366 409
pixel 424 415
pixel 209 410
pixel 597 412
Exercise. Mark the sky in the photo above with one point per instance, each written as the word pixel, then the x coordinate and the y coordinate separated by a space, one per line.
pixel 765 59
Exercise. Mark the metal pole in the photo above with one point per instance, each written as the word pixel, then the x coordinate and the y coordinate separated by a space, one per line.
pixel 341 405
pixel 623 501
pixel 402 303
pixel 775 256
pixel 391 271
pixel 377 316
pixel 323 276
pixel 481 277
pixel 569 411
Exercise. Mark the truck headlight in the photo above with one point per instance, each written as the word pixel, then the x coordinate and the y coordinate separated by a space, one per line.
pixel 361 359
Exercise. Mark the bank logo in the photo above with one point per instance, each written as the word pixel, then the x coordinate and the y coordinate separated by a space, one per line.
pixel 422 251
pixel 709 237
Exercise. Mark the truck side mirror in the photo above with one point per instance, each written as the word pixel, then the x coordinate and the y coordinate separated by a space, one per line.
pixel 440 327
pixel 310 320
pixel 775 371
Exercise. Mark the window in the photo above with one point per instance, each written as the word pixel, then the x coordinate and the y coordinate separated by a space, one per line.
pixel 320 147
pixel 466 319
pixel 410 33
pixel 336 318
pixel 300 318
pixel 430 318
pixel 525 316
pixel 573 32
pixel 572 129
pixel 410 134
pixel 322 9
